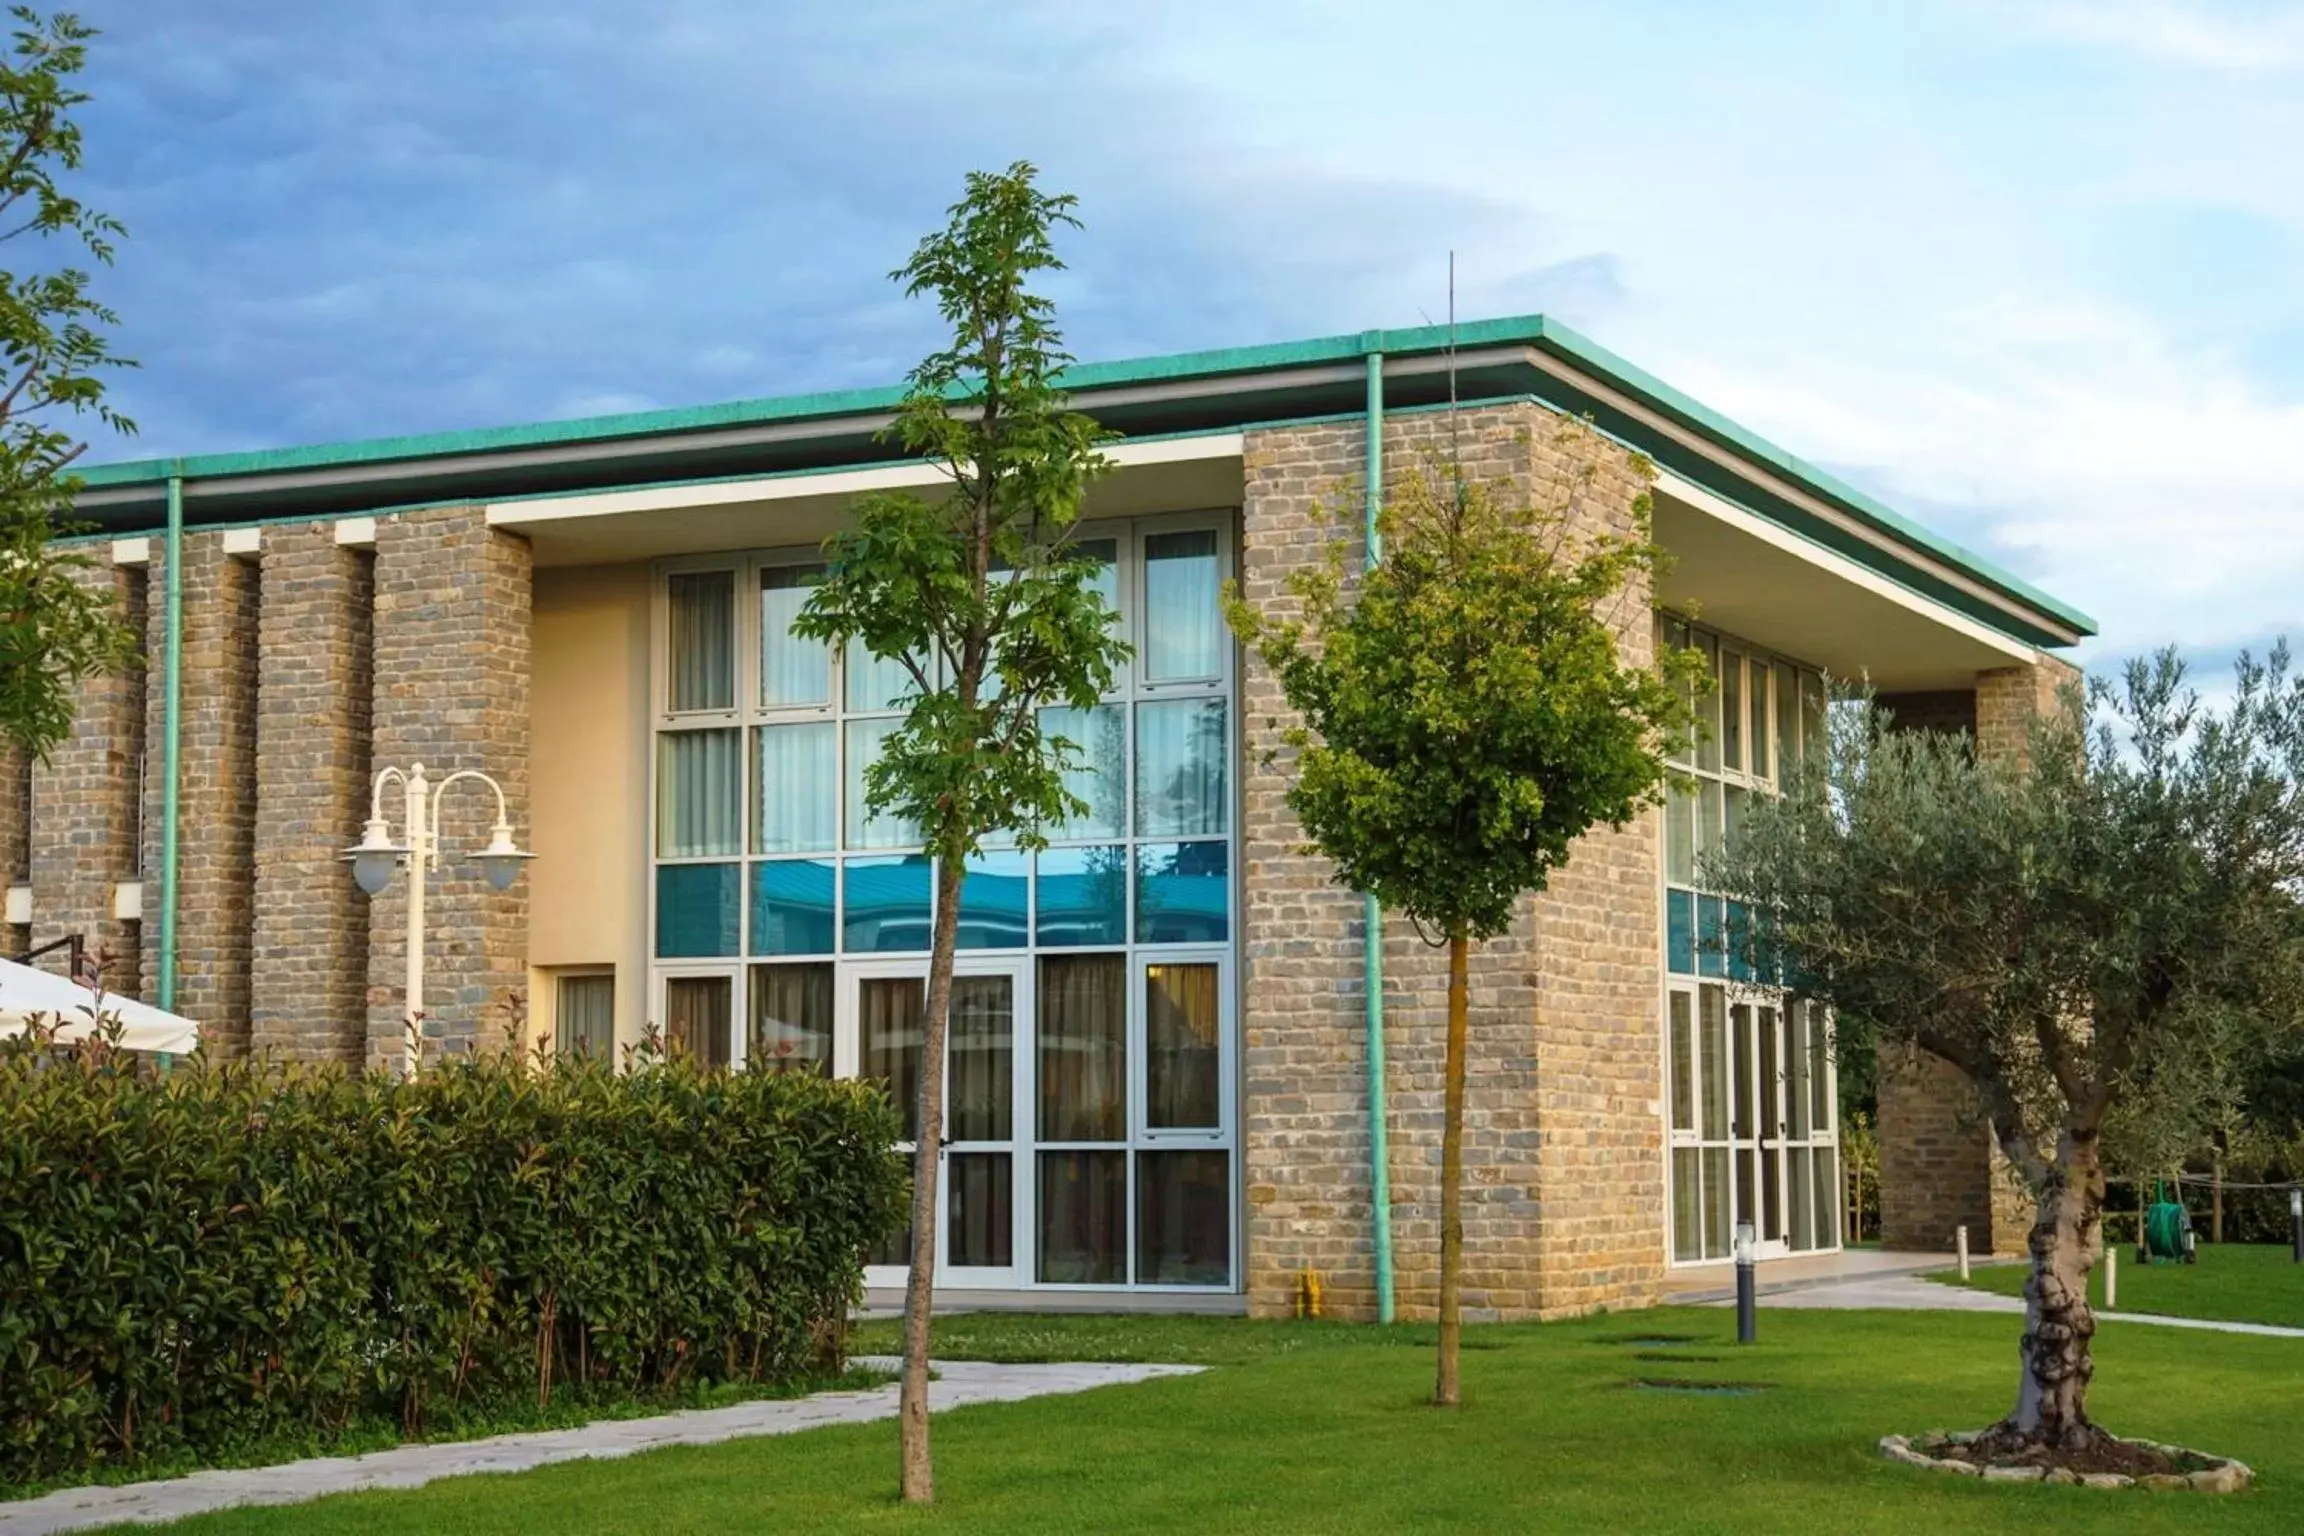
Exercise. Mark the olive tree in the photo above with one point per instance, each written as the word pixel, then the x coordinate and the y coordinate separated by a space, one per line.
pixel 2092 932
pixel 54 631
pixel 1466 714
pixel 993 612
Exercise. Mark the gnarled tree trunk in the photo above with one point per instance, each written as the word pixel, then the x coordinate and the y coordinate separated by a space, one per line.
pixel 1448 1392
pixel 919 1478
pixel 2052 1395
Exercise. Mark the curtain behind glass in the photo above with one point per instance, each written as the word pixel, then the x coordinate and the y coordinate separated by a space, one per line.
pixel 1180 762
pixel 890 1014
pixel 1097 775
pixel 702 642
pixel 797 787
pixel 1181 1079
pixel 699 794
pixel 981 1057
pixel 792 671
pixel 584 1016
pixel 791 1019
pixel 1183 634
pixel 696 1019
pixel 1083 1048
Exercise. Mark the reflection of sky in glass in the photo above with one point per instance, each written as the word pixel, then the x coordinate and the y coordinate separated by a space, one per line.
pixel 1083 896
pixel 995 891
pixel 1183 893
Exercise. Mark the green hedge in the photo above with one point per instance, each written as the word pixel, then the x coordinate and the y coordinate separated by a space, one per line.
pixel 235 1251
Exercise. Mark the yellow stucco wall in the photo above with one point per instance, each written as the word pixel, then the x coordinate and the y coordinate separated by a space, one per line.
pixel 589 784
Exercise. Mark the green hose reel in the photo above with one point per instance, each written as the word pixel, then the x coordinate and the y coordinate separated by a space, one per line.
pixel 2167 1237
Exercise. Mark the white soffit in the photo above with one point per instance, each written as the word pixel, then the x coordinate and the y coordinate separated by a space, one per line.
pixel 1837 565
pixel 530 511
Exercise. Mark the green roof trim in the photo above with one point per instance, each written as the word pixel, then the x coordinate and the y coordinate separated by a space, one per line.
pixel 1522 330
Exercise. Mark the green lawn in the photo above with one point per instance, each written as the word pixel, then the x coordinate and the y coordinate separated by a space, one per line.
pixel 1324 1428
pixel 2233 1282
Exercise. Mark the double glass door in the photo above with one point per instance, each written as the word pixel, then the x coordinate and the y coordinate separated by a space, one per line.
pixel 1752 1128
pixel 883 1037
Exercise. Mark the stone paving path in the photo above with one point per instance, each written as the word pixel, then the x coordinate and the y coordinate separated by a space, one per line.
pixel 958 1383
pixel 1909 1292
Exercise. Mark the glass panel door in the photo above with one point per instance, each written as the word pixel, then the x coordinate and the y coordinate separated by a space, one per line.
pixel 881 1037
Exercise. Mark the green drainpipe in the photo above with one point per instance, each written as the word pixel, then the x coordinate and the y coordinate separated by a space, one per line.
pixel 1379 1135
pixel 172 697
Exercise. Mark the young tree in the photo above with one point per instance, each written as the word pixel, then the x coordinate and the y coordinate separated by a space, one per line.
pixel 1466 716
pixel 54 632
pixel 990 607
pixel 2092 935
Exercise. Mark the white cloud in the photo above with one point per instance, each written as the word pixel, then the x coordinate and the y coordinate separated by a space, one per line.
pixel 2219 37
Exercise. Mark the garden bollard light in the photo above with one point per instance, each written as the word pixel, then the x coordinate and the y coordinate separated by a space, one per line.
pixel 2296 1225
pixel 1747 1287
pixel 1960 1241
pixel 2111 1276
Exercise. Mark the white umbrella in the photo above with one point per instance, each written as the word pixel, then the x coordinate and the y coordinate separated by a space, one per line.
pixel 75 1013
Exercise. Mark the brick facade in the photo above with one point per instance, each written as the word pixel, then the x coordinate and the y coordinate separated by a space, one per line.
pixel 451 692
pixel 83 830
pixel 314 658
pixel 216 784
pixel 1563 1207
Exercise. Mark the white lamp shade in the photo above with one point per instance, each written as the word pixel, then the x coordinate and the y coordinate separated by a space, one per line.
pixel 500 861
pixel 375 857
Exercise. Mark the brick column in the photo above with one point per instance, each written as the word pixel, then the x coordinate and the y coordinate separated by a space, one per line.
pixel 216 774
pixel 84 805
pixel 452 671
pixel 308 974
pixel 1563 1197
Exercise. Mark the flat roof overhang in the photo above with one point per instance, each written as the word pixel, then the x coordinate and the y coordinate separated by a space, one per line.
pixel 1227 392
pixel 1745 575
pixel 1176 474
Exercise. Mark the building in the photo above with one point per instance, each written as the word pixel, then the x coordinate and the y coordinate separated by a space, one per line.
pixel 1159 1062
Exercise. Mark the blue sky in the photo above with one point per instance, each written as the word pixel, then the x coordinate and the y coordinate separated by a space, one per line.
pixel 2033 272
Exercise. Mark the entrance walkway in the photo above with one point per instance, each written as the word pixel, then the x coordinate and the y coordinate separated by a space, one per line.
pixel 1717 1282
pixel 958 1383
pixel 1911 1293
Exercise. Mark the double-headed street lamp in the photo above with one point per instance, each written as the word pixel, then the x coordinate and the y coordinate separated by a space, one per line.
pixel 374 857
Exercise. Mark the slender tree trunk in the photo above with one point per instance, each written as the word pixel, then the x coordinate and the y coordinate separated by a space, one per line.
pixel 2052 1395
pixel 1448 1393
pixel 919 1477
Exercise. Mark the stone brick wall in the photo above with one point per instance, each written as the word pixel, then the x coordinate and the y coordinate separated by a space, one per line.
pixel 216 777
pixel 83 835
pixel 2008 698
pixel 308 981
pixel 451 689
pixel 1563 1153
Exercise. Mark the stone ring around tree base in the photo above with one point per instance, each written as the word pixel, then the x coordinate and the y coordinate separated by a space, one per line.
pixel 2205 1474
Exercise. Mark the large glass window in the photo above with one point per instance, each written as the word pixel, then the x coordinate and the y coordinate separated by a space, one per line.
pixel 584 1015
pixel 1089 1111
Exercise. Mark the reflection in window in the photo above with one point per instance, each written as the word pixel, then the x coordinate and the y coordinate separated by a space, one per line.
pixel 696 1019
pixel 792 907
pixel 1183 893
pixel 1183 1218
pixel 886 907
pixel 1084 1218
pixel 1099 772
pixel 980 1219
pixel 1183 632
pixel 793 671
pixel 1083 897
pixel 701 646
pixel 980 1053
pixel 699 794
pixel 796 788
pixel 877 682
pixel 791 1025
pixel 995 902
pixel 1180 763
pixel 696 910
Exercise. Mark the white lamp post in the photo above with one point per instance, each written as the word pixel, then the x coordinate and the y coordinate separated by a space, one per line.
pixel 374 856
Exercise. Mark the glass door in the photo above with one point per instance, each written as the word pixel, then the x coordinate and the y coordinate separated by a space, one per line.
pixel 881 1037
